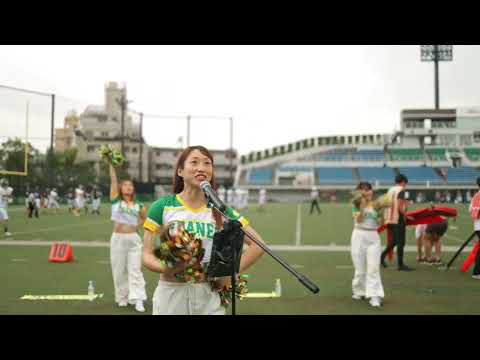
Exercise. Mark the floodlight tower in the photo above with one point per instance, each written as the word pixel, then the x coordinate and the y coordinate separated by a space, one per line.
pixel 436 53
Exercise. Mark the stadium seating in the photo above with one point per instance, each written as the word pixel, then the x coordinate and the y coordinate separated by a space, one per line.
pixel 473 154
pixel 295 168
pixel 261 176
pixel 436 154
pixel 368 155
pixel 384 175
pixel 336 175
pixel 420 175
pixel 406 155
pixel 334 155
pixel 464 175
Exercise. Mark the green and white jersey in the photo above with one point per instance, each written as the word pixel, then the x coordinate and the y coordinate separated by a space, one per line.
pixel 172 208
pixel 124 214
pixel 370 216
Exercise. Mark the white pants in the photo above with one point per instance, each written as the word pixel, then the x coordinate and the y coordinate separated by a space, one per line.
pixel 366 251
pixel 186 299
pixel 96 204
pixel 3 214
pixel 126 261
pixel 79 203
pixel 53 204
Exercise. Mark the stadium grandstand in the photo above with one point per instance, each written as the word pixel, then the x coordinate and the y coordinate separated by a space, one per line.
pixel 435 149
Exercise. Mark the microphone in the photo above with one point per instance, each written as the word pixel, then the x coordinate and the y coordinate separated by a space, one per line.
pixel 212 196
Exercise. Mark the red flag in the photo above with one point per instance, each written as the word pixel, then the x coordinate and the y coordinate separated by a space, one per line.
pixel 389 240
pixel 430 215
pixel 471 258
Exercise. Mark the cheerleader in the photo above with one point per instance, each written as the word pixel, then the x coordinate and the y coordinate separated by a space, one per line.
pixel 188 205
pixel 366 248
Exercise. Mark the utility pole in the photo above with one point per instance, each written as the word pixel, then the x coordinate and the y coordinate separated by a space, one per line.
pixel 53 124
pixel 231 151
pixel 123 103
pixel 141 148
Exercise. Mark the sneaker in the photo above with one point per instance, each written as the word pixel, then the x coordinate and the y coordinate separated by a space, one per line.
pixel 139 306
pixel 358 297
pixel 375 301
pixel 438 262
pixel 8 234
pixel 477 277
pixel 422 260
pixel 122 303
pixel 405 268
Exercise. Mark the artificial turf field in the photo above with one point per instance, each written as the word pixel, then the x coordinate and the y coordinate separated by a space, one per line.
pixel 427 290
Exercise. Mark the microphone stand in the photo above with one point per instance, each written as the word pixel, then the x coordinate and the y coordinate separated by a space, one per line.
pixel 460 250
pixel 305 281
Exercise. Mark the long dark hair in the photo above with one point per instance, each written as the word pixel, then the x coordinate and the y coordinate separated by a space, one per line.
pixel 179 185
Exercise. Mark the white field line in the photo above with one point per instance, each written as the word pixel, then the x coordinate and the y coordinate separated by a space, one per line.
pixel 58 227
pixel 298 229
pixel 306 248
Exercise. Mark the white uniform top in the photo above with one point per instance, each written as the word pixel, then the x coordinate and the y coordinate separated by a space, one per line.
pixel 4 194
pixel 262 198
pixel 314 194
pixel 79 193
pixel 221 194
pixel 53 196
pixel 124 214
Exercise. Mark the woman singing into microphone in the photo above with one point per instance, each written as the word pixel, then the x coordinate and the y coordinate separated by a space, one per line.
pixel 188 205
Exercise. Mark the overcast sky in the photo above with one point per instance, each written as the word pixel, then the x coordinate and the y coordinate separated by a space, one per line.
pixel 276 94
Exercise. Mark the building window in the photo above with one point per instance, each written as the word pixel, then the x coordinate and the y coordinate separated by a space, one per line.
pixel 89 134
pixel 134 150
pixel 104 133
pixel 158 166
pixel 90 148
pixel 476 136
pixel 465 140
pixel 157 153
pixel 127 149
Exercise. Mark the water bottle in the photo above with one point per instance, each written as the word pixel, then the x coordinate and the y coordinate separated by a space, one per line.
pixel 91 288
pixel 278 288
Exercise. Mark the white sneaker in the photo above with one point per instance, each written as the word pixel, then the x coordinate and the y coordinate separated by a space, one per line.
pixel 139 306
pixel 476 277
pixel 357 297
pixel 8 234
pixel 122 303
pixel 375 301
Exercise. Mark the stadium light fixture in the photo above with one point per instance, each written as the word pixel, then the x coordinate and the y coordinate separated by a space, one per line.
pixel 436 53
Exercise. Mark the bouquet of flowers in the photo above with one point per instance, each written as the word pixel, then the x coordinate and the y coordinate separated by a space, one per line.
pixel 357 196
pixel 112 155
pixel 240 291
pixel 177 244
pixel 382 202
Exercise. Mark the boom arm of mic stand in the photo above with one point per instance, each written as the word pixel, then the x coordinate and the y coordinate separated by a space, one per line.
pixel 309 284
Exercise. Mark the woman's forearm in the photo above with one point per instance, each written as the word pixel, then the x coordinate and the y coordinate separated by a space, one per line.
pixel 254 252
pixel 113 181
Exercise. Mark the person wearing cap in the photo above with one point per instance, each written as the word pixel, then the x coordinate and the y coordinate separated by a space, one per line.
pixel 395 218
pixel 366 247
